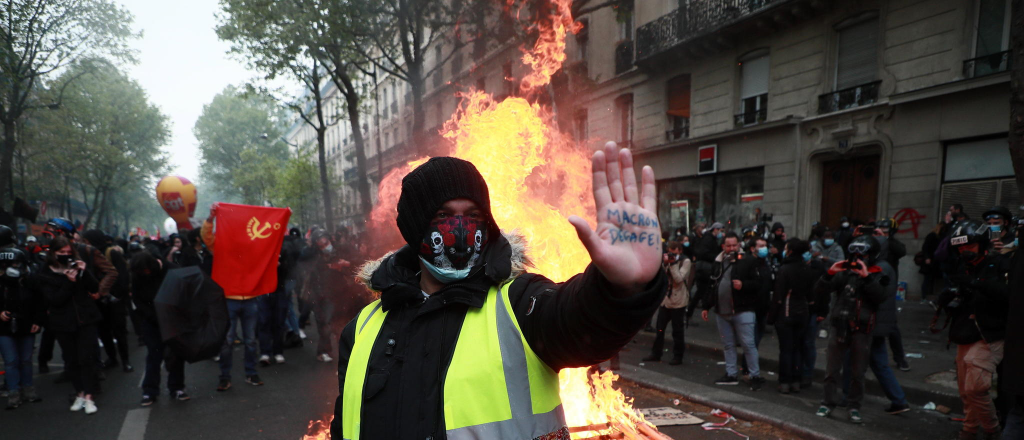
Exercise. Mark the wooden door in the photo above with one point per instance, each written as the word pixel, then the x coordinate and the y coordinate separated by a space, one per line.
pixel 849 188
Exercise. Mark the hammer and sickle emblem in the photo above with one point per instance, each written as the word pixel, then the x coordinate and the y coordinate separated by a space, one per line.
pixel 256 231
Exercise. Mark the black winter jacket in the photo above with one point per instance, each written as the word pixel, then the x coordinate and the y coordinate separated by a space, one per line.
pixel 868 293
pixel 744 299
pixel 796 280
pixel 26 309
pixel 1013 360
pixel 886 318
pixel 572 324
pixel 145 288
pixel 68 303
pixel 984 293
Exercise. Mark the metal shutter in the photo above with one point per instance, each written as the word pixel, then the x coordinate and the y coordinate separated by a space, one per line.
pixel 858 55
pixel 977 197
pixel 1009 194
pixel 754 78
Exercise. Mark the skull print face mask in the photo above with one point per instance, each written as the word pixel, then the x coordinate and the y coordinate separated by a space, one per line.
pixel 452 246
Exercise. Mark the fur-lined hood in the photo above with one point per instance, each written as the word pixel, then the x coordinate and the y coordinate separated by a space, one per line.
pixel 503 259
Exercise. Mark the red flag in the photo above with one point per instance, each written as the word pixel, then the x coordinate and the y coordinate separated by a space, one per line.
pixel 247 242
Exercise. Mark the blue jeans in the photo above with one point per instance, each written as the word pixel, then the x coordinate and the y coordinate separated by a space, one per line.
pixel 739 326
pixel 247 312
pixel 878 360
pixel 810 349
pixel 17 354
pixel 273 311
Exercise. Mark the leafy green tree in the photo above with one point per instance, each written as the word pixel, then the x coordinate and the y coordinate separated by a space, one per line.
pixel 234 130
pixel 295 187
pixel 39 39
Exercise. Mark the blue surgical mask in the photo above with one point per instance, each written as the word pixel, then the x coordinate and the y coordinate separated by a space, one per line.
pixel 807 256
pixel 995 228
pixel 829 242
pixel 783 253
pixel 686 244
pixel 1016 242
pixel 446 276
pixel 762 252
pixel 814 242
pixel 720 235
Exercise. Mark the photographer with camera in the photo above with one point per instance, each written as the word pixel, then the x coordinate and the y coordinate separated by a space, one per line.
pixel 673 308
pixel 998 221
pixel 858 285
pixel 976 308
pixel 21 316
pixel 737 283
pixel 66 285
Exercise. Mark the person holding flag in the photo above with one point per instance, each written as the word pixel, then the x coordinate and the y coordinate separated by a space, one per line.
pixel 463 343
pixel 244 243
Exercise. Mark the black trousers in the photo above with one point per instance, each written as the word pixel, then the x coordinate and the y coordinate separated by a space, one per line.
pixel 80 348
pixel 678 318
pixel 157 353
pixel 46 343
pixel 857 344
pixel 114 327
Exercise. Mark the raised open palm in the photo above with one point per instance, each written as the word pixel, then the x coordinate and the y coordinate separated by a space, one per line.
pixel 626 247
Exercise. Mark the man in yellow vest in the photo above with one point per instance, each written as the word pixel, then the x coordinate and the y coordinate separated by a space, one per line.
pixel 463 343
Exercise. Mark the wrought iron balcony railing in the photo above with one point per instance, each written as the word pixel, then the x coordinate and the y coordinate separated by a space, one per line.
pixel 680 129
pixel 623 56
pixel 752 117
pixel 863 94
pixel 987 65
pixel 691 20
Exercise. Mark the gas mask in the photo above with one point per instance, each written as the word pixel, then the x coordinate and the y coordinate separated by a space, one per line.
pixel 452 246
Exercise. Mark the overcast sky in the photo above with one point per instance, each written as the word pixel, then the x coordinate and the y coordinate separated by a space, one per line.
pixel 182 65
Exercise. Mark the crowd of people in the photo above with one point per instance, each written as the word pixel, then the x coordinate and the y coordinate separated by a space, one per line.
pixel 82 289
pixel 841 282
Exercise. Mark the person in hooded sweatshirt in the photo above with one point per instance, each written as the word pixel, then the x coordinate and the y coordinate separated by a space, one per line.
pixel 463 343
pixel 147 274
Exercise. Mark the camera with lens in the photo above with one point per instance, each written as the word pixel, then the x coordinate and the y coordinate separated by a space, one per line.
pixel 672 257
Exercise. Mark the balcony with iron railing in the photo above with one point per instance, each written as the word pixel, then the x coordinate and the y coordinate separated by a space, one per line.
pixel 623 56
pixel 856 96
pixel 751 117
pixel 696 19
pixel 987 65
pixel 680 129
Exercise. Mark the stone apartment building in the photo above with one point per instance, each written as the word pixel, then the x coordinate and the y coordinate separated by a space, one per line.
pixel 808 110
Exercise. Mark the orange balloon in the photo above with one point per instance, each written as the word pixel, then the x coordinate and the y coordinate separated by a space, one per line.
pixel 177 195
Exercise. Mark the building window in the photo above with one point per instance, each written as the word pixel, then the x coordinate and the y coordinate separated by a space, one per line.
pixel 979 174
pixel 624 47
pixel 753 89
pixel 992 39
pixel 733 198
pixel 856 74
pixel 624 117
pixel 583 40
pixel 678 108
pixel 579 122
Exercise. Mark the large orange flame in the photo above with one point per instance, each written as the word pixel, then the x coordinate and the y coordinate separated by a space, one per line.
pixel 537 176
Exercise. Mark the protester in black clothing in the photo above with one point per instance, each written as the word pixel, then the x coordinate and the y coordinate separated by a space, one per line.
pixel 896 248
pixel 757 248
pixel 844 234
pixel 182 252
pixel 792 300
pixel 859 291
pixel 706 249
pixel 113 329
pixel 65 284
pixel 21 316
pixel 147 274
pixel 929 267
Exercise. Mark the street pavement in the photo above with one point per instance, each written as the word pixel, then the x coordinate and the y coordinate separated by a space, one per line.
pixel 294 393
pixel 930 380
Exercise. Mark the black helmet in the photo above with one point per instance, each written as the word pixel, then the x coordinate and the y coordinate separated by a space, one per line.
pixel 14 264
pixel 998 212
pixel 865 245
pixel 63 225
pixel 7 237
pixel 966 232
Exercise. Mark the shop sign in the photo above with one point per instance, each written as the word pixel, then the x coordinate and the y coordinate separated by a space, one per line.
pixel 707 157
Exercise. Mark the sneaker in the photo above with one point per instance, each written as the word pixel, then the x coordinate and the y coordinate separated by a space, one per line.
pixel 13 399
pixel 897 409
pixel 253 380
pixel 181 396
pixel 28 394
pixel 727 380
pixel 302 334
pixel 90 407
pixel 675 361
pixel 651 358
pixel 823 411
pixel 324 357
pixel 265 360
pixel 224 385
pixel 79 403
pixel 756 382
pixel 855 416
pixel 279 358
pixel 216 358
pixel 147 400
pixel 903 365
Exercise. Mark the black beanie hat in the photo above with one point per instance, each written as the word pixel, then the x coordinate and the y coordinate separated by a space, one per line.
pixel 432 184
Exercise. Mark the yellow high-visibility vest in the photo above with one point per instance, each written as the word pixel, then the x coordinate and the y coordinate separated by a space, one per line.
pixel 495 388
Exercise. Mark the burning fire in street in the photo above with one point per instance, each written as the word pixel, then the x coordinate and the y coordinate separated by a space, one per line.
pixel 537 177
